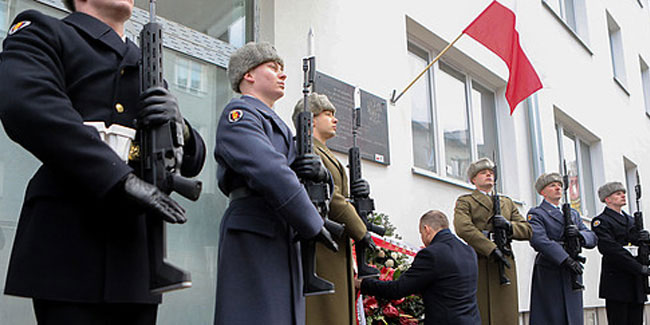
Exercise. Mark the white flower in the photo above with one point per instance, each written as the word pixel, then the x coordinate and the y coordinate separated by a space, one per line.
pixel 393 255
pixel 381 254
pixel 403 267
pixel 390 263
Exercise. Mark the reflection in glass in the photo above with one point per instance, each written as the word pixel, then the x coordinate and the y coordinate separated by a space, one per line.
pixel 452 112
pixel 421 122
pixel 228 20
pixel 569 148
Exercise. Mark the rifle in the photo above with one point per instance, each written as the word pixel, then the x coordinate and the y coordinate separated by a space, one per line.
pixel 364 205
pixel 571 243
pixel 500 235
pixel 319 192
pixel 644 250
pixel 162 154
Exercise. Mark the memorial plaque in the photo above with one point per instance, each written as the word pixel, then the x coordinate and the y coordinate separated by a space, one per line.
pixel 372 136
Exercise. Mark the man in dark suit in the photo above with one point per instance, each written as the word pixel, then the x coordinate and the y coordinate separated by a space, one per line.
pixel 259 279
pixel 621 275
pixel 80 250
pixel 444 273
pixel 553 301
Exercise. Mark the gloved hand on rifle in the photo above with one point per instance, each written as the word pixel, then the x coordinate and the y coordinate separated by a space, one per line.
pixel 153 200
pixel 644 236
pixel 310 167
pixel 573 231
pixel 324 237
pixel 498 256
pixel 158 106
pixel 368 242
pixel 499 222
pixel 360 188
pixel 572 265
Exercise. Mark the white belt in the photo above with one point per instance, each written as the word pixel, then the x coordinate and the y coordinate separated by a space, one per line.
pixel 634 250
pixel 118 137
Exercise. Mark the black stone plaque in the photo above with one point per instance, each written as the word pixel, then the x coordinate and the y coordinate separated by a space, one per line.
pixel 372 137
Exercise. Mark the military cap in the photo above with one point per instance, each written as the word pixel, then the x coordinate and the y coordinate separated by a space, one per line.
pixel 609 189
pixel 477 166
pixel 316 103
pixel 248 57
pixel 545 179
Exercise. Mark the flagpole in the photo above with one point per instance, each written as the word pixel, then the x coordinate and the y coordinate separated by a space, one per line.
pixel 394 99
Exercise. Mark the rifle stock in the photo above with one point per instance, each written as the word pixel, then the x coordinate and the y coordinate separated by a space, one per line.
pixel 644 250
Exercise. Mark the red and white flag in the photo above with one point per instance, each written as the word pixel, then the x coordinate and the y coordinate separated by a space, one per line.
pixel 495 29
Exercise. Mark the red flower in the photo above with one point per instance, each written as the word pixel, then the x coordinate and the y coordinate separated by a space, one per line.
pixel 390 311
pixel 397 302
pixel 386 274
pixel 370 302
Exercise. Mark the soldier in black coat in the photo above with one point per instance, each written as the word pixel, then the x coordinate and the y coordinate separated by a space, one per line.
pixel 445 273
pixel 621 275
pixel 70 87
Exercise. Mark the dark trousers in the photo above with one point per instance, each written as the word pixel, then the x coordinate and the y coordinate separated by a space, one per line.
pixel 50 312
pixel 624 313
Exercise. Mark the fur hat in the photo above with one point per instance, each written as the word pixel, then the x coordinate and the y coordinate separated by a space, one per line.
pixel 545 179
pixel 609 189
pixel 248 57
pixel 477 166
pixel 317 104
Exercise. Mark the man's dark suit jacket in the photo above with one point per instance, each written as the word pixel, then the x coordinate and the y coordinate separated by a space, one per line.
pixel 445 273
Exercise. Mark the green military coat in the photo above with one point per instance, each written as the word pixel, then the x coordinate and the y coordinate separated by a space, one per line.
pixel 498 304
pixel 337 308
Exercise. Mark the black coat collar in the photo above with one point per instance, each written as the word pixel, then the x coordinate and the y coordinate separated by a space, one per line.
pixel 623 219
pixel 98 30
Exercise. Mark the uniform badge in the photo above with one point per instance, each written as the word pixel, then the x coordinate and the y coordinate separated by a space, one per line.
pixel 530 217
pixel 18 26
pixel 596 223
pixel 235 115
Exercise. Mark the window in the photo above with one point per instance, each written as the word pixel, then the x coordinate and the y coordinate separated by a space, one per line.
pixel 645 84
pixel 572 13
pixel 453 118
pixel 616 51
pixel 575 152
pixel 189 75
pixel 630 183
pixel 4 18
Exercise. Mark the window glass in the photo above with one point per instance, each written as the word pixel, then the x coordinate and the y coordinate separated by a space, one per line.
pixel 484 120
pixel 452 113
pixel 421 122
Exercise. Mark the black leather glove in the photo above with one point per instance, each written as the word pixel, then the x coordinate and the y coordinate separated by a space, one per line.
pixel 309 167
pixel 158 106
pixel 499 222
pixel 324 237
pixel 572 265
pixel 498 256
pixel 153 200
pixel 368 242
pixel 360 188
pixel 572 231
pixel 644 236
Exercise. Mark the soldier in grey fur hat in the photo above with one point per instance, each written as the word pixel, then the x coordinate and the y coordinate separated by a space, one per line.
pixel 268 206
pixel 473 220
pixel 622 276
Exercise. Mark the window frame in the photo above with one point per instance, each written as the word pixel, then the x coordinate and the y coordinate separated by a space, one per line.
pixel 561 132
pixel 437 133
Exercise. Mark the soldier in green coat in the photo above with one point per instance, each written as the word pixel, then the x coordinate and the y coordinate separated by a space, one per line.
pixel 498 304
pixel 337 308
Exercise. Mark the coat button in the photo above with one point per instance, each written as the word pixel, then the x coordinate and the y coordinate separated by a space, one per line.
pixel 121 72
pixel 119 108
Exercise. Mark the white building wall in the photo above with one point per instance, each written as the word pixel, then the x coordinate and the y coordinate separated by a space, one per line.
pixel 364 43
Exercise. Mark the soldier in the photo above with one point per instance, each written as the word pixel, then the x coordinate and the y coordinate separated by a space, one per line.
pixel 337 308
pixel 259 252
pixel 444 273
pixel 80 250
pixel 552 299
pixel 497 303
pixel 621 275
